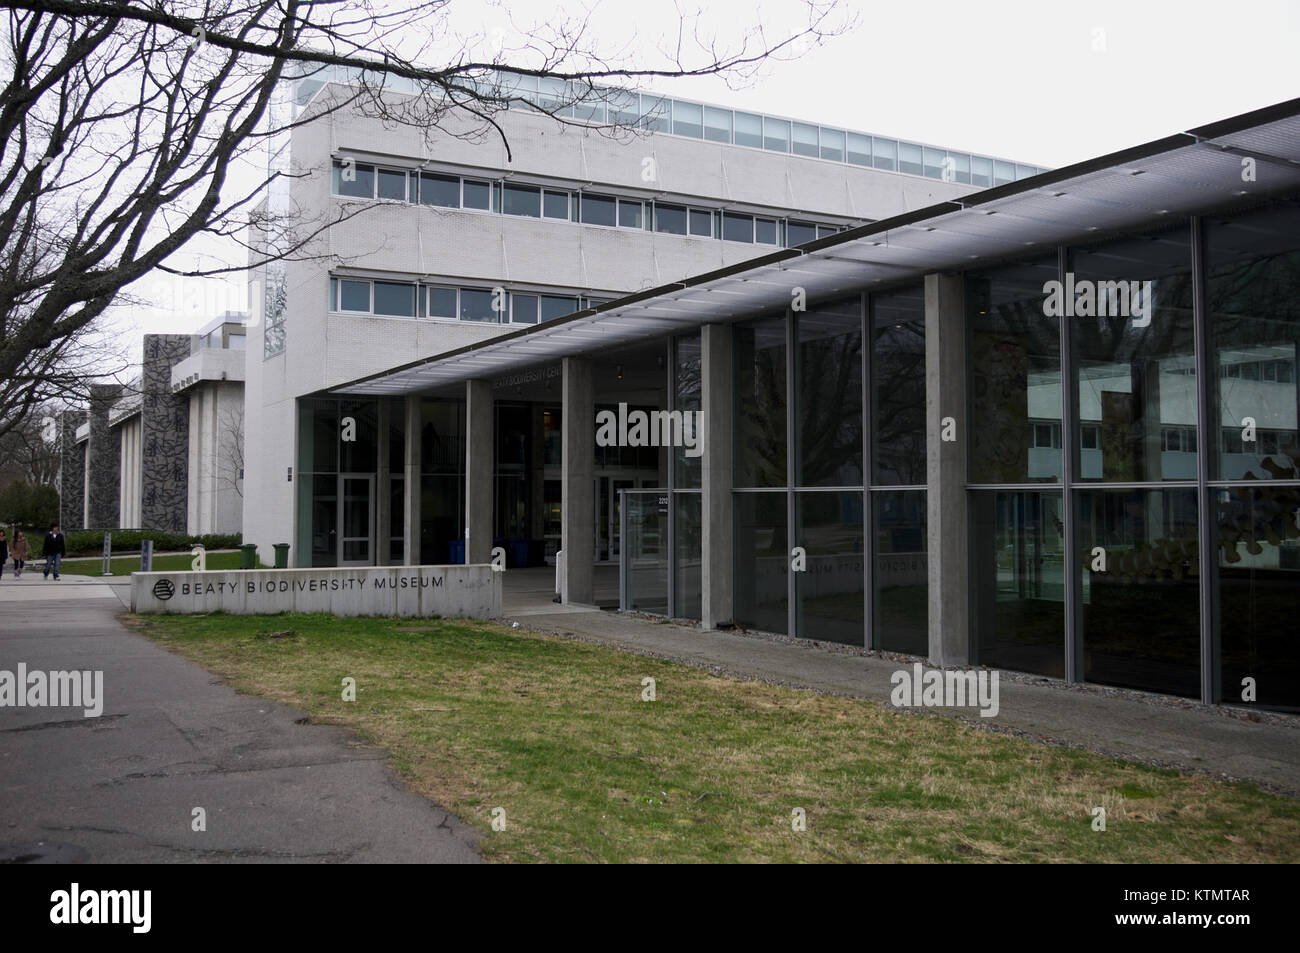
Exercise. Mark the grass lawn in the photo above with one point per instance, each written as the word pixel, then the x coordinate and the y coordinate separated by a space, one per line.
pixel 125 565
pixel 555 732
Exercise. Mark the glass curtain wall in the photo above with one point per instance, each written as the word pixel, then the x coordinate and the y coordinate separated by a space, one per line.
pixel 687 503
pixel 338 444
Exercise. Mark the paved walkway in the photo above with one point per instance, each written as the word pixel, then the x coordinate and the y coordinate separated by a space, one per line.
pixel 122 787
pixel 1130 725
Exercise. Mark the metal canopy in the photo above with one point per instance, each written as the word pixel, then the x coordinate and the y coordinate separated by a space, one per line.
pixel 1198 171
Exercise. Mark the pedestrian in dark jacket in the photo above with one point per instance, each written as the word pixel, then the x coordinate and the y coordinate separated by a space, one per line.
pixel 18 550
pixel 54 549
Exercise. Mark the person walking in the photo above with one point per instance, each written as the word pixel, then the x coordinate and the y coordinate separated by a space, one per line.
pixel 54 549
pixel 18 552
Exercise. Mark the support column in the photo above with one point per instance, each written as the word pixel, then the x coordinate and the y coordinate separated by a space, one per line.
pixel 103 452
pixel 411 483
pixel 946 523
pixel 479 453
pixel 383 501
pixel 578 461
pixel 715 475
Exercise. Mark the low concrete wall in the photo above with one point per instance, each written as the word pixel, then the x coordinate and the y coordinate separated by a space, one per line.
pixel 470 592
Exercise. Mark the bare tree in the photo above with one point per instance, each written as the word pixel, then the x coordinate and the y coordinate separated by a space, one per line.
pixel 123 125
pixel 230 450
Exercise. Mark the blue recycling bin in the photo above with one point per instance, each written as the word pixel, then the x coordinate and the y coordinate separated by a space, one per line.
pixel 456 552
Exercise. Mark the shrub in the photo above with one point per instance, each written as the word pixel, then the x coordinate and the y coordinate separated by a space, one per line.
pixel 90 542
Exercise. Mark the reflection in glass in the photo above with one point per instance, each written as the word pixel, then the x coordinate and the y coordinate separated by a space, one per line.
pixel 761 552
pixel 1014 368
pixel 687 540
pixel 1017 579
pixel 1140 615
pixel 899 572
pixel 760 451
pixel 1253 298
pixel 829 592
pixel 1136 363
pixel 898 387
pixel 1258 589
pixel 686 382
pixel 828 425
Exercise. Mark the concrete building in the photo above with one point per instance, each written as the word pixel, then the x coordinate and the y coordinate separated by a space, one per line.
pixel 887 433
pixel 164 452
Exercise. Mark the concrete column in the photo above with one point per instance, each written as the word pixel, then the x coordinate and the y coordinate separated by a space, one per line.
pixel 715 475
pixel 578 459
pixel 103 453
pixel 72 472
pixel 479 456
pixel 411 483
pixel 946 412
pixel 383 503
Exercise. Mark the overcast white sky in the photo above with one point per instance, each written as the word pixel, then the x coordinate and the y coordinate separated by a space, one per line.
pixel 1047 83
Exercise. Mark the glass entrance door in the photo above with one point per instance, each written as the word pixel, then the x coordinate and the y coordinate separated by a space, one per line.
pixel 357 540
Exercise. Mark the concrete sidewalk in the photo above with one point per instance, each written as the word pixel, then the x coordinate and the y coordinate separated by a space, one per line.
pixel 1150 729
pixel 122 787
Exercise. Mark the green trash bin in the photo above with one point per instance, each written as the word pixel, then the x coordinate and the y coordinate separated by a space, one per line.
pixel 248 556
pixel 281 555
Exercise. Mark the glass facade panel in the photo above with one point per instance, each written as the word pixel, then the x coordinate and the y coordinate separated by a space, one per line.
pixel 701 223
pixel 555 204
pixel 859 149
pixel 556 306
pixel 629 214
pixel 645 551
pixel 898 387
pixel 761 553
pixel 1003 172
pixel 523 309
pixel 884 153
pixel 354 295
pixel 354 180
pixel 476 305
pixel 828 376
pixel 737 228
pixel 442 303
pixel 1133 361
pixel 392 185
pixel 670 219
pixel 522 200
pixel 395 299
pixel 1014 372
pixel 477 195
pixel 686 398
pixel 833 145
pixel 797 233
pixel 1253 298
pixel 829 594
pixel 934 162
pixel 686 564
pixel 765 231
pixel 909 158
pixel 902 610
pixel 1257 585
pixel 717 124
pixel 760 381
pixel 1017 580
pixel 688 119
pixel 1140 616
pixel 981 171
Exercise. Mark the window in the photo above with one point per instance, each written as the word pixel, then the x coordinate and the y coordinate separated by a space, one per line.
pixel 1003 172
pixel 981 171
pixel 717 124
pixel 654 113
pixel 392 185
pixel 765 231
pixel 884 153
pixel 776 135
pixel 688 119
pixel 805 140
pixel 442 303
pixel 556 306
pixel 797 233
pixel 441 190
pixel 624 107
pixel 354 179
pixel 670 219
pixel 824 230
pixel 909 158
pixel 1047 435
pixel 354 295
pixel 629 214
pixel 702 222
pixel 477 195
pixel 522 200
pixel 934 162
pixel 598 210
pixel 555 204
pixel 395 299
pixel 749 130
pixel 737 228
pixel 476 305
pixel 833 145
pixel 960 167
pixel 523 309
pixel 1090 436
pixel 859 149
